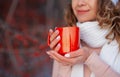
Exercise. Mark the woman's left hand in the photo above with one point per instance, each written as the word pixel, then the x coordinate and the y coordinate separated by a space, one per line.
pixel 71 58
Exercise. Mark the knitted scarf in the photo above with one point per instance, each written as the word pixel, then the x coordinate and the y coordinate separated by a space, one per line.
pixel 94 36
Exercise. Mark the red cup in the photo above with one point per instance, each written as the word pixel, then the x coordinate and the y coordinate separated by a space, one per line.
pixel 69 39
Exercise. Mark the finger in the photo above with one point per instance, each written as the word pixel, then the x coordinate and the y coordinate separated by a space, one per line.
pixel 54 35
pixel 50 53
pixel 76 59
pixel 63 59
pixel 57 48
pixel 54 42
pixel 74 54
pixel 55 28
pixel 50 32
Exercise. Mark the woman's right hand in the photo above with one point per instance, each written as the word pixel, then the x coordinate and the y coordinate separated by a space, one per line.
pixel 54 39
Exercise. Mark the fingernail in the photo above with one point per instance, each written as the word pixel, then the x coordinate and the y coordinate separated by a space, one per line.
pixel 58 37
pixel 67 55
pixel 48 53
pixel 58 45
pixel 50 30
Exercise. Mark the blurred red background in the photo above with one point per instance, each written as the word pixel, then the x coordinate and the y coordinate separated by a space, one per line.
pixel 24 26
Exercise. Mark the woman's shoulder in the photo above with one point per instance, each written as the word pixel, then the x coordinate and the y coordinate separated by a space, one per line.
pixel 111 55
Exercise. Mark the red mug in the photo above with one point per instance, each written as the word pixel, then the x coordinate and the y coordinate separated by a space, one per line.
pixel 69 39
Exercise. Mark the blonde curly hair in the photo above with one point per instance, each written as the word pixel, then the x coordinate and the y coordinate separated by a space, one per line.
pixel 108 16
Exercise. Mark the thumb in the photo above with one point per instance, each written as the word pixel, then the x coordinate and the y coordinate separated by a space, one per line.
pixel 73 54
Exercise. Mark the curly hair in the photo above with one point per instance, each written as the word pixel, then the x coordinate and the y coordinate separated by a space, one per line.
pixel 108 16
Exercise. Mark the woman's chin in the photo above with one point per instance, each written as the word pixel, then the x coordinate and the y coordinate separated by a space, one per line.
pixel 84 20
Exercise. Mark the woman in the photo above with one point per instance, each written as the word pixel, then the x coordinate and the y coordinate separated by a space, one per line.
pixel 99 55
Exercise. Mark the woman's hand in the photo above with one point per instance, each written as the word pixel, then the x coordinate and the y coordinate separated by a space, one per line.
pixel 78 56
pixel 74 57
pixel 54 39
pixel 71 58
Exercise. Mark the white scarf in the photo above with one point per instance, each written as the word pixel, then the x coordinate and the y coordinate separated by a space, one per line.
pixel 94 36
